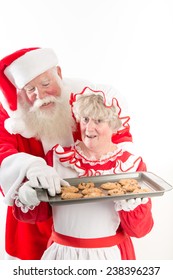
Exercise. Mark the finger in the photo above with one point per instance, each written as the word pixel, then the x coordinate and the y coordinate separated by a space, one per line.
pixel 33 199
pixel 28 196
pixel 51 186
pixel 54 185
pixel 43 182
pixel 125 205
pixel 138 201
pixel 130 202
pixel 57 185
pixel 33 182
pixel 64 183
pixel 144 200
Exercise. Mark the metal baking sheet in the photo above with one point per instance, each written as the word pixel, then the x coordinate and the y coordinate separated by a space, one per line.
pixel 156 185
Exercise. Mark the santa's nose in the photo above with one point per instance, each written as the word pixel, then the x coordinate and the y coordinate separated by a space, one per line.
pixel 40 93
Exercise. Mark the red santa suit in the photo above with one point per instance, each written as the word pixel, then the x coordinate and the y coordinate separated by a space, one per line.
pixel 95 230
pixel 20 150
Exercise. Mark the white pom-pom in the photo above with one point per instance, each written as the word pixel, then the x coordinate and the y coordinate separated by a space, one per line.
pixel 17 126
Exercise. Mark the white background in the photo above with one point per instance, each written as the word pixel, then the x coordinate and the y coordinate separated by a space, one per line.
pixel 127 44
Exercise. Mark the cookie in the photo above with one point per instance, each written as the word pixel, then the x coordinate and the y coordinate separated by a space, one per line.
pixel 115 192
pixel 129 187
pixel 70 195
pixel 83 185
pixel 141 190
pixel 110 185
pixel 93 194
pixel 71 189
pixel 90 190
pixel 128 181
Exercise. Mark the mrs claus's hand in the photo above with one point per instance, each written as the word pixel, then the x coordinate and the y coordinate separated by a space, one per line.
pixel 130 204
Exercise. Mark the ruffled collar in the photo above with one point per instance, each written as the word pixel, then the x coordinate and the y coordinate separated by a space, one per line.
pixel 120 160
pixel 108 156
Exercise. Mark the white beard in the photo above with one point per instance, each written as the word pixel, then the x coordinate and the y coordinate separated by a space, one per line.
pixel 54 125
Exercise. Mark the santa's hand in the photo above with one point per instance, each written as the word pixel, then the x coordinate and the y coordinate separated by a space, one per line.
pixel 27 195
pixel 43 176
pixel 129 204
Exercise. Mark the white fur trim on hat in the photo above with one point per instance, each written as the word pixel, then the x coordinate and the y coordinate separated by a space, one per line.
pixel 33 63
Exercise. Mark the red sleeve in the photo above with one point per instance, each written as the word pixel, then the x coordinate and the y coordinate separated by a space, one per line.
pixel 142 166
pixel 139 222
pixel 40 213
pixel 49 157
pixel 8 142
pixel 123 136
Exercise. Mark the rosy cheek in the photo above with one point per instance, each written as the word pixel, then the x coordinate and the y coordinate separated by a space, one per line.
pixel 55 91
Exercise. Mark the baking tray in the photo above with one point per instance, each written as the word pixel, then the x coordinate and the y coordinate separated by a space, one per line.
pixel 156 185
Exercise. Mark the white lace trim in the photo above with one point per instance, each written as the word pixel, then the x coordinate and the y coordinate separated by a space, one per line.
pixel 110 155
pixel 74 157
pixel 24 208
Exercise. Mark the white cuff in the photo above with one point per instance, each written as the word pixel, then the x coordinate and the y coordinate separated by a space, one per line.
pixel 16 165
pixel 24 208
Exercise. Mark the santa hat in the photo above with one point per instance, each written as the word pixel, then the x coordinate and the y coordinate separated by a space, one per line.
pixel 20 67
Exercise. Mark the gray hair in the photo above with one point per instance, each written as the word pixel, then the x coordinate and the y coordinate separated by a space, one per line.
pixel 93 106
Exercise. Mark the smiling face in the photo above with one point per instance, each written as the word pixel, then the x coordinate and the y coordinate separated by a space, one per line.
pixel 43 105
pixel 41 92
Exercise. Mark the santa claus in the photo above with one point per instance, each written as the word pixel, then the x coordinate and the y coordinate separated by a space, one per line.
pixel 35 114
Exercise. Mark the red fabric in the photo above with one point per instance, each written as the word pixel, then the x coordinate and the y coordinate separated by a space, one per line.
pixel 26 241
pixel 126 249
pixel 125 246
pixel 139 222
pixel 23 240
pixel 142 167
pixel 101 242
pixel 121 161
pixel 6 86
pixel 38 214
pixel 135 223
pixel 12 144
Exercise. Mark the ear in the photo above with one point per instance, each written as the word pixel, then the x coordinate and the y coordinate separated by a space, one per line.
pixel 59 71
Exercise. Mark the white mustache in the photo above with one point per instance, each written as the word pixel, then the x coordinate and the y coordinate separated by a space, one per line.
pixel 40 102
